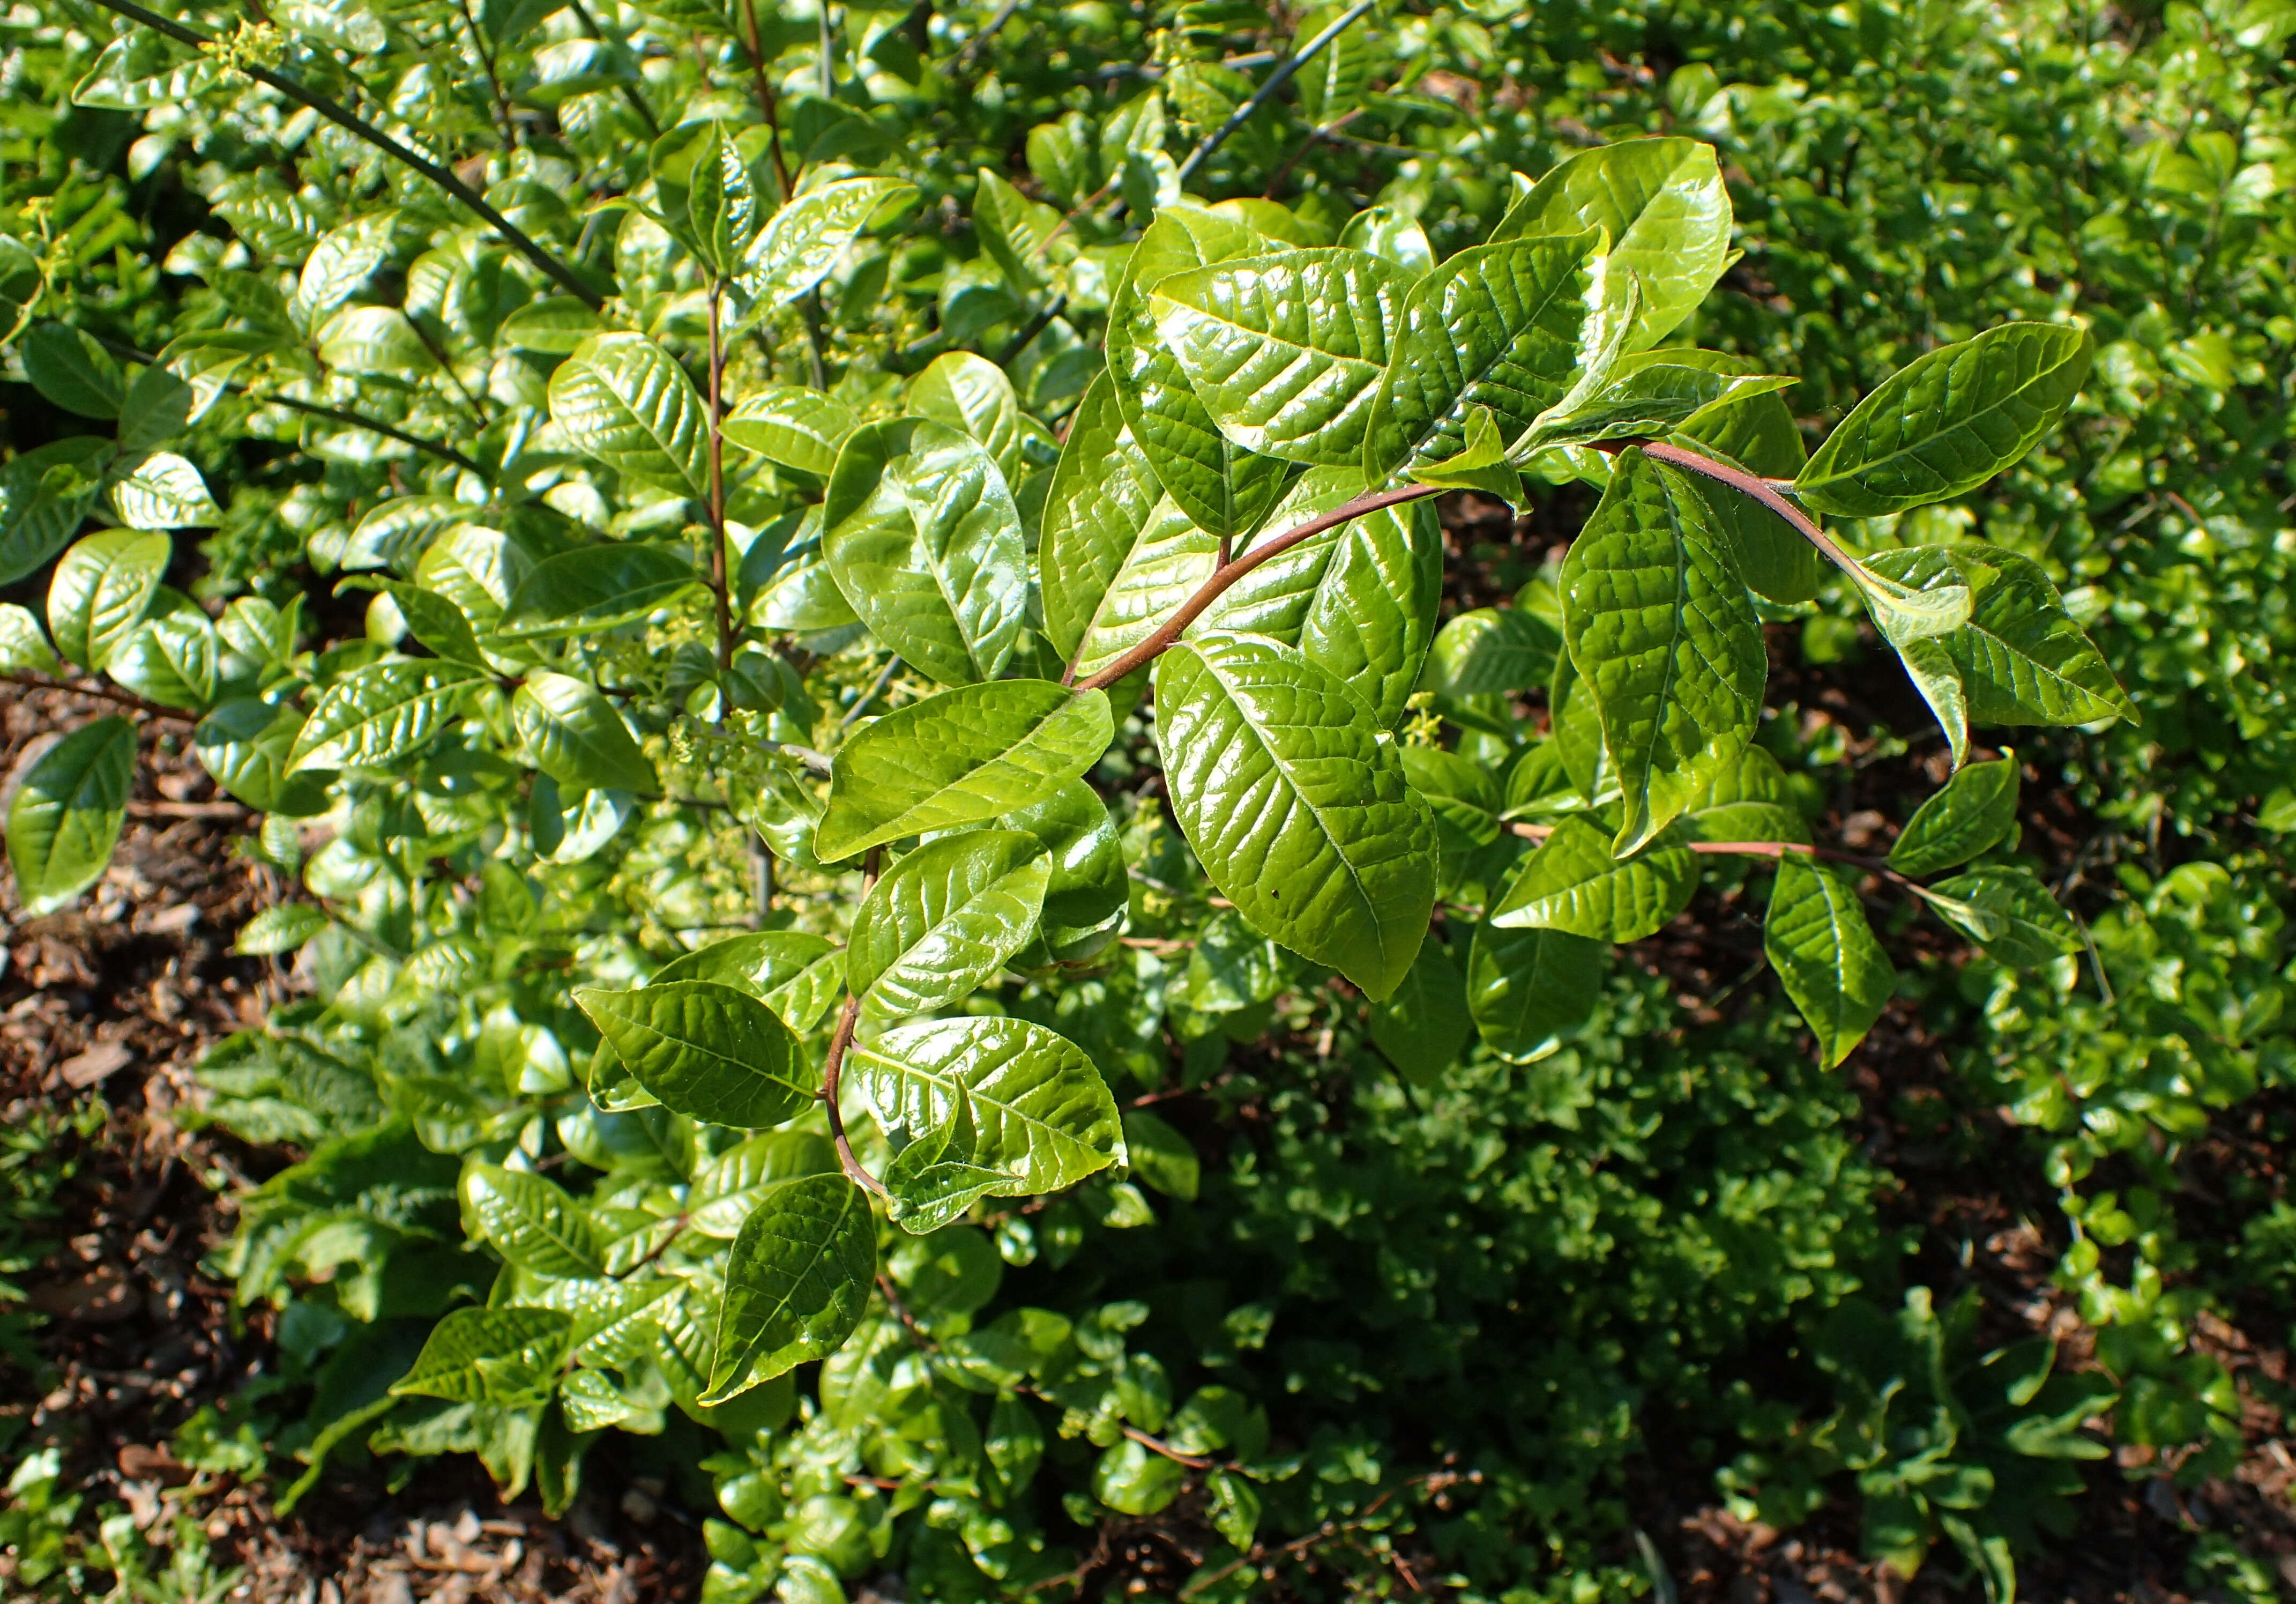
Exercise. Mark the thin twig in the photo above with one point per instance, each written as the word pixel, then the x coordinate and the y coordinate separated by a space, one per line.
pixel 875 690
pixel 971 46
pixel 1316 136
pixel 502 118
pixel 360 421
pixel 1035 326
pixel 343 118
pixel 629 90
pixel 1229 572
pixel 1761 489
pixel 41 682
pixel 767 107
pixel 1275 81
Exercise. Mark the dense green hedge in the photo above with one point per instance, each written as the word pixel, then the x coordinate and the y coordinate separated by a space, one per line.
pixel 1442 1327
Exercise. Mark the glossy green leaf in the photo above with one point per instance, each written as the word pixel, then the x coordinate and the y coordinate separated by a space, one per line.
pixel 67 812
pixel 623 400
pixel 575 736
pixel 1040 1117
pixel 245 745
pixel 44 493
pixel 1664 634
pixel 1160 1157
pixel 533 1223
pixel 796 1280
pixel 793 972
pixel 1424 1026
pixel 706 1050
pixel 1816 938
pixel 23 644
pixel 1748 801
pixel 1298 811
pixel 71 369
pixel 501 1356
pixel 375 343
pixel 943 920
pixel 1131 1481
pixel 1948 422
pixel 1480 463
pixel 594 588
pixel 172 659
pixel 959 758
pixel 971 395
pixel 790 427
pixel 1648 393
pixel 1360 601
pixel 280 929
pixel 435 622
pixel 101 589
pixel 1286 352
pixel 383 711
pixel 555 325
pixel 1219 486
pixel 720 204
pixel 726 1192
pixel 1491 651
pixel 1665 208
pixel 1086 896
pixel 1389 232
pixel 2020 658
pixel 1495 326
pixel 1974 812
pixel 2009 913
pixel 1013 231
pixel 1757 433
pixel 1529 987
pixel 1573 883
pixel 802 241
pixel 1103 494
pixel 922 538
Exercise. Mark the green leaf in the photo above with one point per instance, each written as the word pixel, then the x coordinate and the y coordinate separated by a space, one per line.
pixel 791 428
pixel 1391 233
pixel 382 712
pixel 575 736
pixel 1131 1481
pixel 1665 208
pixel 1160 1157
pixel 959 758
pixel 1749 801
pixel 1103 494
pixel 1234 1508
pixel 1085 898
pixel 71 369
pixel 729 1189
pixel 2009 913
pixel 554 325
pixel 1495 326
pixel 23 643
pixel 624 401
pixel 506 1357
pixel 1424 1025
pixel 720 206
pixel 1013 231
pixel 1816 938
pixel 1296 811
pixel 1665 636
pixel 1221 488
pixel 245 745
pixel 594 588
pixel 793 972
pixel 1041 1118
pixel 1286 352
pixel 971 395
pixel 66 812
pixel 171 660
pixel 375 343
pixel 533 1223
pixel 802 241
pixel 796 1280
pixel 922 538
pixel 706 1050
pixel 101 589
pixel 44 493
pixel 1479 463
pixel 1573 883
pixel 1361 601
pixel 1648 393
pixel 1757 433
pixel 1976 811
pixel 944 920
pixel 2020 658
pixel 434 621
pixel 1493 650
pixel 1949 422
pixel 1528 988
pixel 342 263
pixel 280 930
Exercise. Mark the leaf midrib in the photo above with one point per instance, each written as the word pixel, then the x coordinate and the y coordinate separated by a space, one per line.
pixel 1995 404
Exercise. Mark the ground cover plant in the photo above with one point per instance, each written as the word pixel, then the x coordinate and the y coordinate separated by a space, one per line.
pixel 927 894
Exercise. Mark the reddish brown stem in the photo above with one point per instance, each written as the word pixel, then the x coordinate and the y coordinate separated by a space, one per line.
pixel 1227 574
pixel 123 698
pixel 765 102
pixel 1763 490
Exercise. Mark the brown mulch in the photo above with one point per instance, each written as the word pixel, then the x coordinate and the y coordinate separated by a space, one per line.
pixel 113 1000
